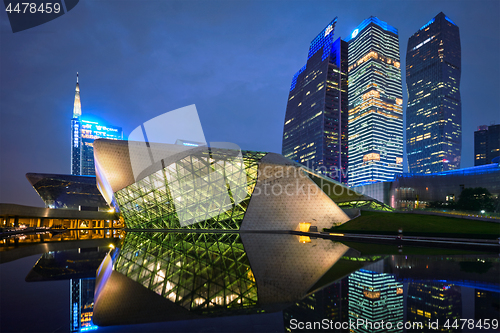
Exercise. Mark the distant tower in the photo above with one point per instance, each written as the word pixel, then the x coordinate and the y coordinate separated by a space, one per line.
pixel 76 140
pixel 315 130
pixel 83 134
pixel 486 144
pixel 434 112
pixel 375 103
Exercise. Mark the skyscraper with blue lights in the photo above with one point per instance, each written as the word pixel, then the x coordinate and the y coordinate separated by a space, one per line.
pixel 315 130
pixel 375 103
pixel 76 140
pixel 83 134
pixel 434 112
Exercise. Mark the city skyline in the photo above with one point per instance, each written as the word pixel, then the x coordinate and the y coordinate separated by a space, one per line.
pixel 135 72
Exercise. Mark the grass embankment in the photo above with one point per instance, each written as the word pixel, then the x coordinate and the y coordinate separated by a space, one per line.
pixel 419 225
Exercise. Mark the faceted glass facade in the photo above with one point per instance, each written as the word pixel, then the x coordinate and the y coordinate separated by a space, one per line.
pixel 434 112
pixel 375 103
pixel 205 190
pixel 315 130
pixel 200 272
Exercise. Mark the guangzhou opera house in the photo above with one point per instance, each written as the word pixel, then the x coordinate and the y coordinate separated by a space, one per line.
pixel 174 186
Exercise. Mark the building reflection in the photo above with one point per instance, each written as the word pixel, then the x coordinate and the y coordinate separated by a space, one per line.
pixel 47 236
pixel 79 267
pixel 407 290
pixel 431 300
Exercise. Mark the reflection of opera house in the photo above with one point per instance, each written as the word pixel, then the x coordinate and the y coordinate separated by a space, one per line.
pixel 162 186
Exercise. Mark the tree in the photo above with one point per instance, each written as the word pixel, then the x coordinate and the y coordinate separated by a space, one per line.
pixel 476 199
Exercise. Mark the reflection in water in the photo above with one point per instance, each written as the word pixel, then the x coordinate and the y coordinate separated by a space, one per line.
pixel 373 298
pixel 82 305
pixel 182 276
pixel 211 274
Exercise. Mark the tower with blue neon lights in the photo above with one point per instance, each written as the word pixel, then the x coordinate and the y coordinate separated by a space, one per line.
pixel 375 103
pixel 76 140
pixel 83 133
pixel 315 130
pixel 434 112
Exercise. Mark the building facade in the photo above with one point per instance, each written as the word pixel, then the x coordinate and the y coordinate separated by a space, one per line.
pixel 211 188
pixel 91 130
pixel 434 112
pixel 315 130
pixel 412 190
pixel 375 103
pixel 486 144
pixel 83 134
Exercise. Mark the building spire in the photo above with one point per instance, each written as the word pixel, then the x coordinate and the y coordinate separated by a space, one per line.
pixel 77 107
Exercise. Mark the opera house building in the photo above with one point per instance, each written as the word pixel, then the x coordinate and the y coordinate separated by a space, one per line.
pixel 174 186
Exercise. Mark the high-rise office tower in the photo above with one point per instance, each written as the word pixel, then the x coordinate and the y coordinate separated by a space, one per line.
pixel 83 134
pixel 91 130
pixel 486 144
pixel 375 103
pixel 434 112
pixel 315 130
pixel 76 140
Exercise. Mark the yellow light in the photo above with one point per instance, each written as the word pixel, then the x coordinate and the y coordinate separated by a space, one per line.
pixel 341 235
pixel 111 246
pixel 304 239
pixel 304 226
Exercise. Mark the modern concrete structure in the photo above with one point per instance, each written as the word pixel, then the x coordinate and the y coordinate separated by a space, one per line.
pixel 417 190
pixel 434 112
pixel 163 186
pixel 68 191
pixel 486 144
pixel 315 130
pixel 12 215
pixel 375 103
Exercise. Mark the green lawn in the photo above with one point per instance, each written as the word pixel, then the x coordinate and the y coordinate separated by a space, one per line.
pixel 419 225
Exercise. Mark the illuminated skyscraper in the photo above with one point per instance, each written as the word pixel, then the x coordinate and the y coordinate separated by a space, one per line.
pixel 434 113
pixel 83 134
pixel 375 103
pixel 91 130
pixel 486 144
pixel 76 140
pixel 315 130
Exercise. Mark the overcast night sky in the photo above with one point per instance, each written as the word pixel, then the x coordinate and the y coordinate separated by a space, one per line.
pixel 233 59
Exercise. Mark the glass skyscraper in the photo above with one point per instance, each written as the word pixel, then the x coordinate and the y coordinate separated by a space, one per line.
pixel 83 134
pixel 315 130
pixel 434 113
pixel 375 103
pixel 486 144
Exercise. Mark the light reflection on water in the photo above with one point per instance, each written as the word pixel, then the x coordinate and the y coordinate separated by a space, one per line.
pixel 170 277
